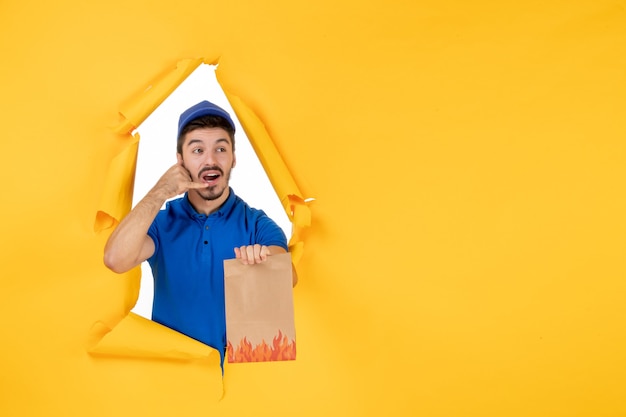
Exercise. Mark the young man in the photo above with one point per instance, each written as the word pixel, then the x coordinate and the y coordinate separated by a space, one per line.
pixel 187 242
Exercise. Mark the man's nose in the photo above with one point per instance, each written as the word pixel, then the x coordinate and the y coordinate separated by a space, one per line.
pixel 209 158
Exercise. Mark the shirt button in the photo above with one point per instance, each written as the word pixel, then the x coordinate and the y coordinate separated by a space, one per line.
pixel 206 227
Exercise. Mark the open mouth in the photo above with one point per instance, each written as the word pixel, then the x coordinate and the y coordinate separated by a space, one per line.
pixel 210 176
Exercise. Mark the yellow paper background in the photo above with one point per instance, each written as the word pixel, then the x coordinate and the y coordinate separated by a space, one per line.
pixel 477 147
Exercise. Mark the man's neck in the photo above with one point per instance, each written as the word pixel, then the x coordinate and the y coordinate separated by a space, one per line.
pixel 204 206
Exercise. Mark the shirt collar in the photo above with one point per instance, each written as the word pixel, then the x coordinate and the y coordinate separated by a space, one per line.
pixel 220 212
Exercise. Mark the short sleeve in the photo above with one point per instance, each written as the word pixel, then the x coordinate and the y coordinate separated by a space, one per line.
pixel 153 232
pixel 268 233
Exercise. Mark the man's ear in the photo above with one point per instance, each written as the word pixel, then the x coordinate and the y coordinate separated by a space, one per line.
pixel 179 158
pixel 234 161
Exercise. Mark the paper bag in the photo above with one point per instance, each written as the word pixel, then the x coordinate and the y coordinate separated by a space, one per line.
pixel 259 310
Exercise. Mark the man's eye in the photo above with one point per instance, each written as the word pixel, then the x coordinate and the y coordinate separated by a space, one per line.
pixel 221 149
pixel 197 150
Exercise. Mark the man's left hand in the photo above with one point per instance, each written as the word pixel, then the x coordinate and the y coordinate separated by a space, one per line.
pixel 252 254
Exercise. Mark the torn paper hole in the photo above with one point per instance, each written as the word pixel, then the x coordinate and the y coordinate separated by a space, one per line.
pixel 157 152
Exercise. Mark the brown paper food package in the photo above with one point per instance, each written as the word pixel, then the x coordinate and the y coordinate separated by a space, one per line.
pixel 259 310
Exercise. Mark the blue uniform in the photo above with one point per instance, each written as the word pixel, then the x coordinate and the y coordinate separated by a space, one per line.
pixel 188 267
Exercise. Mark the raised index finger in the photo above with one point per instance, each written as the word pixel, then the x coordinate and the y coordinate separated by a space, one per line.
pixel 196 185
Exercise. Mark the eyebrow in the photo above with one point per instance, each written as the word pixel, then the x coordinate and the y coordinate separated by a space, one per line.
pixel 192 141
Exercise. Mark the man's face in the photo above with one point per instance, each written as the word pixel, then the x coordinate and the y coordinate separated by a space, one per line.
pixel 208 156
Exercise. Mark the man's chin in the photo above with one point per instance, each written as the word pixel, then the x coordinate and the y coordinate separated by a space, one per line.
pixel 211 193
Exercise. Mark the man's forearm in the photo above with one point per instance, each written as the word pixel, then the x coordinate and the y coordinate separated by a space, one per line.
pixel 127 246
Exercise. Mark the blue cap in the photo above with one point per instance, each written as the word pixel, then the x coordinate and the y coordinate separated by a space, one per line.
pixel 204 108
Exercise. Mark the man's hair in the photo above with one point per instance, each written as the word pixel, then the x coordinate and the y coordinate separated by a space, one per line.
pixel 205 122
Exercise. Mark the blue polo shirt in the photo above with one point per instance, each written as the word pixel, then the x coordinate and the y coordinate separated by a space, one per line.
pixel 187 264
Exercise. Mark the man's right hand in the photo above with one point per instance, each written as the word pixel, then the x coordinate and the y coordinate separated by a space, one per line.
pixel 129 244
pixel 176 180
